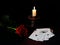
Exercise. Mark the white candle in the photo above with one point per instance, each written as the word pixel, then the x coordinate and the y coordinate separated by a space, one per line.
pixel 34 12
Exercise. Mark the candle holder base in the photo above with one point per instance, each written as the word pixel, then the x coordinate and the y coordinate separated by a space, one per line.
pixel 33 20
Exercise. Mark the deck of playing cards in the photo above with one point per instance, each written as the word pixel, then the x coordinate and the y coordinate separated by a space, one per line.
pixel 42 34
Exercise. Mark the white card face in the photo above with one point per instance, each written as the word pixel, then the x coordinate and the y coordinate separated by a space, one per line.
pixel 41 34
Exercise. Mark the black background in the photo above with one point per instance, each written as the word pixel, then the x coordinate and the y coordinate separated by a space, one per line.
pixel 18 11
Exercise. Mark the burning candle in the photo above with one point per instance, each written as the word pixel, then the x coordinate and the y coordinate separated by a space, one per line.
pixel 34 12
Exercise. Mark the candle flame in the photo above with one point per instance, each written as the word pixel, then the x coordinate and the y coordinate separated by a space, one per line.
pixel 34 7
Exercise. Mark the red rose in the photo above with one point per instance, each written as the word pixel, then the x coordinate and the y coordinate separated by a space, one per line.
pixel 22 31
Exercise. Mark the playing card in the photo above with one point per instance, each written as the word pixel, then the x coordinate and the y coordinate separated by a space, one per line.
pixel 41 34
